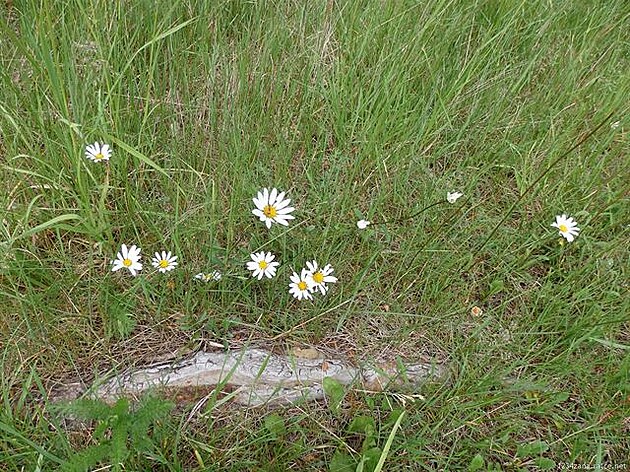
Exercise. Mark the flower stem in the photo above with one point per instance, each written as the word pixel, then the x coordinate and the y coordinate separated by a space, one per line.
pixel 400 220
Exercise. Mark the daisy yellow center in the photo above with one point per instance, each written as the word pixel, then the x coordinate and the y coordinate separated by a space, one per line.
pixel 263 265
pixel 302 285
pixel 127 262
pixel 163 263
pixel 318 277
pixel 99 156
pixel 270 211
pixel 563 228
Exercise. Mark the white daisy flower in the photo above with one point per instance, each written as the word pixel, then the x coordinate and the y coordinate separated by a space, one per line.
pixel 271 207
pixel 319 276
pixel 128 258
pixel 301 285
pixel 261 264
pixel 214 275
pixel 567 226
pixel 452 197
pixel 98 152
pixel 362 224
pixel 164 262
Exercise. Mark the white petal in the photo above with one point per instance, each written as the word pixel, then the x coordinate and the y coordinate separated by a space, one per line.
pixel 273 195
pixel 285 211
pixel 280 205
pixel 268 223
pixel 285 217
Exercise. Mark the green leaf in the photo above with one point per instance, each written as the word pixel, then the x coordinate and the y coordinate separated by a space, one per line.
pixel 362 424
pixel 534 448
pixel 274 423
pixel 370 458
pixel 545 464
pixel 335 392
pixel 496 286
pixel 476 463
pixel 341 462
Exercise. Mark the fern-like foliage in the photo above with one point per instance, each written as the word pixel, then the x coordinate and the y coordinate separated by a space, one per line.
pixel 121 431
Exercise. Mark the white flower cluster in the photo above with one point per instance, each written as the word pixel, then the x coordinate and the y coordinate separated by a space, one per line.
pixel 272 207
pixel 129 258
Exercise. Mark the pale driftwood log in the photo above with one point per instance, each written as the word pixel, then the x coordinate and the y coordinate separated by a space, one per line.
pixel 263 377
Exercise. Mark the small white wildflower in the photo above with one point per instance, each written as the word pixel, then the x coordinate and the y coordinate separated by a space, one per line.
pixel 214 275
pixel 452 197
pixel 567 226
pixel 301 285
pixel 98 152
pixel 362 224
pixel 319 276
pixel 128 258
pixel 262 265
pixel 164 262
pixel 271 207
pixel 615 125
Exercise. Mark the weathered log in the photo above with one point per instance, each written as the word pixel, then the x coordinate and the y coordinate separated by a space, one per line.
pixel 263 377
